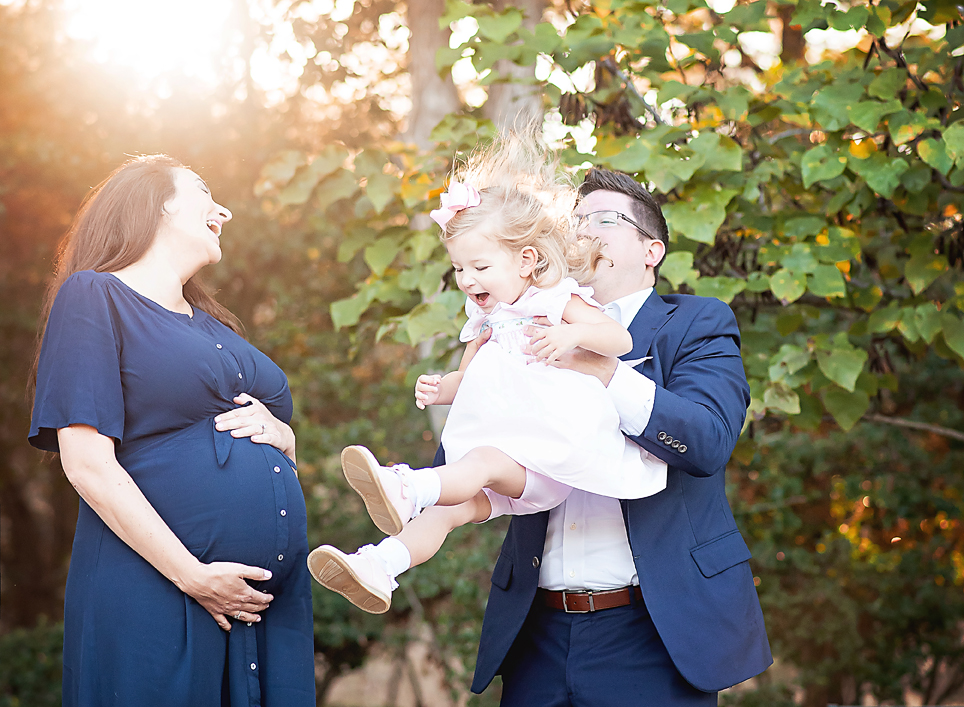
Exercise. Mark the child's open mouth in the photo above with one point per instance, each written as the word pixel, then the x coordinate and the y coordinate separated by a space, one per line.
pixel 481 298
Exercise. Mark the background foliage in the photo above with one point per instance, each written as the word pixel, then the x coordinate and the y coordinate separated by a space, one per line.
pixel 817 190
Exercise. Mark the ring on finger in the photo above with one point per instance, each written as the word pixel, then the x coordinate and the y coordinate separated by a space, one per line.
pixel 238 616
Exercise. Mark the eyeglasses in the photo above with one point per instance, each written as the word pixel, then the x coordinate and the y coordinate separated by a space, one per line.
pixel 601 220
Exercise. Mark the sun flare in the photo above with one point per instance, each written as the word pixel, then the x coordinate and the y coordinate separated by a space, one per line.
pixel 151 37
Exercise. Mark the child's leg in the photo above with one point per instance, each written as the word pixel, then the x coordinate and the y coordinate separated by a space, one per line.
pixel 395 495
pixel 541 494
pixel 424 536
pixel 481 468
pixel 367 577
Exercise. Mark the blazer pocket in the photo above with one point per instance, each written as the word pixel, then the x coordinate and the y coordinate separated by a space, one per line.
pixel 721 553
pixel 502 574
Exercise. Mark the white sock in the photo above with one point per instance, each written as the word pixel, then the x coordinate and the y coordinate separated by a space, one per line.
pixel 394 556
pixel 427 486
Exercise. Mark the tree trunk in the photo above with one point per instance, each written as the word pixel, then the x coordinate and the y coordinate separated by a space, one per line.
pixel 432 96
pixel 511 102
pixel 794 46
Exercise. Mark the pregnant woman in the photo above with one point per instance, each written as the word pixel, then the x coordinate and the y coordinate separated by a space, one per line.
pixel 187 583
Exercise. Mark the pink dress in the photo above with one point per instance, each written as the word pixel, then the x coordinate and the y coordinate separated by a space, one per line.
pixel 555 422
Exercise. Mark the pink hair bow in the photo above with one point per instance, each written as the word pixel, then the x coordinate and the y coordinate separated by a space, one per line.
pixel 459 196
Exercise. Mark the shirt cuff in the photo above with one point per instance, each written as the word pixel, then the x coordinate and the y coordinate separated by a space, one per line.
pixel 633 395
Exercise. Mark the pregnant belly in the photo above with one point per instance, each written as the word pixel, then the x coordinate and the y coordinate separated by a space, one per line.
pixel 247 509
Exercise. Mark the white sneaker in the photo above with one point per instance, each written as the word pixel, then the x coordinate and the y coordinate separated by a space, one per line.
pixel 358 577
pixel 383 489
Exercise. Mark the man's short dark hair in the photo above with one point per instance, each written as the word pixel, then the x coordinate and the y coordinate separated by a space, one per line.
pixel 646 211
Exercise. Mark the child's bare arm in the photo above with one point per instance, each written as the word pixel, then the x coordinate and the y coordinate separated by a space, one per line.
pixel 586 327
pixel 441 390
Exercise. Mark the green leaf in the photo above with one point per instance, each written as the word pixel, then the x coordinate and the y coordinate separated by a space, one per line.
pixel 701 214
pixel 789 322
pixel 631 158
pixel 787 361
pixel 905 125
pixel 884 320
pixel 757 282
pixel 381 189
pixel 347 312
pixel 952 329
pixel 837 245
pixel 799 259
pixel 846 408
pixel 380 254
pixel 821 163
pixel 916 179
pixel 779 396
pixel 907 325
pixel 867 115
pixel 723 288
pixel 881 173
pixel 887 83
pixel 677 267
pixel 934 153
pixel 545 39
pixel 829 104
pixel 339 185
pixel 788 286
pixel 928 321
pixel 923 268
pixel 735 103
pixel 719 152
pixel 499 27
pixel 426 320
pixel 455 10
pixel 842 363
pixel 827 281
pixel 279 170
pixel 299 189
pixel 354 241
pixel 954 141
pixel 802 226
pixel 675 89
pixel 423 244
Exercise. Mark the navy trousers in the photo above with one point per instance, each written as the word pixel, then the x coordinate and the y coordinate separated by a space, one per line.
pixel 609 658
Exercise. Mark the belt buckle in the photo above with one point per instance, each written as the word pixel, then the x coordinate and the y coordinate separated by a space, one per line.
pixel 565 603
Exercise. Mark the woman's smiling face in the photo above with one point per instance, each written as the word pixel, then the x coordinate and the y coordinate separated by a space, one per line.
pixel 193 221
pixel 487 272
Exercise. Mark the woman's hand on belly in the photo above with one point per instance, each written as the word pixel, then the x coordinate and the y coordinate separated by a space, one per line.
pixel 254 420
pixel 220 588
pixel 90 465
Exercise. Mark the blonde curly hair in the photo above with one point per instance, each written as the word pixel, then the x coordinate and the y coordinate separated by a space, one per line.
pixel 526 202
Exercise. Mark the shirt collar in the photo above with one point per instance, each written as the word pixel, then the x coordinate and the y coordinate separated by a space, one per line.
pixel 625 309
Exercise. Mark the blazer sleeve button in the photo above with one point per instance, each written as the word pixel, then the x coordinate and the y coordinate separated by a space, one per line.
pixel 661 436
pixel 535 562
pixel 682 449
pixel 668 441
pixel 675 444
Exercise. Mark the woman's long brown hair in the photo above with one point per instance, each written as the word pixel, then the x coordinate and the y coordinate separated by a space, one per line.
pixel 115 227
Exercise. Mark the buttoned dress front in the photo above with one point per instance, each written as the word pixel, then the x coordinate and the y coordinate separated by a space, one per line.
pixel 153 380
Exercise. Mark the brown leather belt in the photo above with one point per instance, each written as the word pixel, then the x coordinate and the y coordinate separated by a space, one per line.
pixel 586 602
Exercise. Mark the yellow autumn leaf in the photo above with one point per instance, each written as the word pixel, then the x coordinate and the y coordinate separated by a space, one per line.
pixel 863 149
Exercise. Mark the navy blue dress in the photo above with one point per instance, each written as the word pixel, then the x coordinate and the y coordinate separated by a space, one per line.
pixel 153 380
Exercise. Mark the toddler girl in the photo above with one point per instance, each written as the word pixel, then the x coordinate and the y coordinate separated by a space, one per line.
pixel 520 433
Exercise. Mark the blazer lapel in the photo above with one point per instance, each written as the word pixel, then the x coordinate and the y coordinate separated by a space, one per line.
pixel 651 317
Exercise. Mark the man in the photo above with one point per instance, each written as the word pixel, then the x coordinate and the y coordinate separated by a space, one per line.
pixel 671 613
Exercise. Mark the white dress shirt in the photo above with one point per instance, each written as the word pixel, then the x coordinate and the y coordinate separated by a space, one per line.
pixel 586 543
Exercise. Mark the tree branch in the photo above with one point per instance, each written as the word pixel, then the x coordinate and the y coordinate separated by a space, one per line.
pixel 923 426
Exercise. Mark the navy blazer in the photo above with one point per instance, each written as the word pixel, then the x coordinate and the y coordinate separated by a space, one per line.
pixel 690 558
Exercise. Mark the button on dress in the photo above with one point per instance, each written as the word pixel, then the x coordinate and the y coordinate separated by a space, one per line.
pixel 154 380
